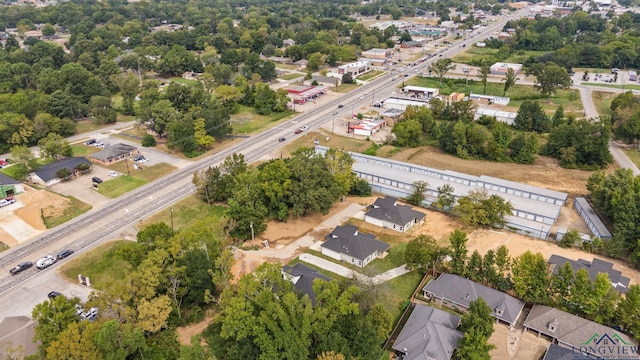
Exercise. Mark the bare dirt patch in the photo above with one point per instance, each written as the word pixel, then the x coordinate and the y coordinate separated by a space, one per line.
pixel 38 203
pixel 7 239
pixel 186 332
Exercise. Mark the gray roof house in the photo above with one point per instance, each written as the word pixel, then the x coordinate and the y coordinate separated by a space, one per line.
pixel 46 175
pixel 429 333
pixel 302 278
pixel 114 153
pixel 585 336
pixel 457 292
pixel 347 243
pixel 620 283
pixel 555 352
pixel 387 213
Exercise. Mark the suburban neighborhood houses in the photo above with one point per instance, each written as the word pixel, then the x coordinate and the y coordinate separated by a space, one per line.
pixel 348 180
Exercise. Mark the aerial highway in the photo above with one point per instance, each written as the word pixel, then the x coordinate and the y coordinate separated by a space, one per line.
pixel 99 224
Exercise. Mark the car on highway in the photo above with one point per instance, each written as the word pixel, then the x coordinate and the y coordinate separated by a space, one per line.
pixel 8 201
pixel 282 139
pixel 96 180
pixel 53 294
pixel 113 173
pixel 21 267
pixel 45 261
pixel 340 106
pixel 64 253
pixel 302 129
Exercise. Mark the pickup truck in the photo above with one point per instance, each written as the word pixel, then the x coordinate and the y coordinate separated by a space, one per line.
pixel 7 201
pixel 302 129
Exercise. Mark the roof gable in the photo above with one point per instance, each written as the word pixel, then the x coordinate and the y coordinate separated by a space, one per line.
pixel 593 268
pixel 6 180
pixel 388 209
pixel 349 241
pixel 303 277
pixel 113 151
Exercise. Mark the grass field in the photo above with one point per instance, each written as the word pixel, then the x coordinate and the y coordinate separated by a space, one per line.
pixel 602 101
pixel 10 171
pixel 75 209
pixel 187 212
pixel 570 99
pixel 626 87
pixel 117 186
pixel 103 265
pixel 634 155
pixel 290 76
pixel 370 75
pixel 394 293
pixel 148 173
pixel 246 121
pixel 83 150
pixel 344 88
pixel 476 54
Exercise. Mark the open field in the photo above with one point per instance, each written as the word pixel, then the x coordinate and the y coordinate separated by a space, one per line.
pixel 370 75
pixel 117 186
pixel 57 216
pixel 344 88
pixel 634 155
pixel 186 212
pixel 148 173
pixel 602 102
pixel 290 76
pixel 476 54
pixel 248 122
pixel 626 87
pixel 84 150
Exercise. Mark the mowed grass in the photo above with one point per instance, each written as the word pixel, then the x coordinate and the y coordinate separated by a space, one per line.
pixel 395 292
pixel 602 102
pixel 130 179
pixel 290 76
pixel 344 88
pixel 117 186
pixel 74 209
pixel 633 155
pixel 476 54
pixel 246 121
pixel 626 87
pixel 11 171
pixel 186 212
pixel 83 150
pixel 370 75
pixel 103 265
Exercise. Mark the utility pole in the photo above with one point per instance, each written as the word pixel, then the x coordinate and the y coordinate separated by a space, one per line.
pixel 171 211
pixel 466 70
pixel 252 235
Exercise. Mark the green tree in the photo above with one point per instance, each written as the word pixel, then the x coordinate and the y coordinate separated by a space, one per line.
pixel 446 198
pixel 479 318
pixel 458 253
pixel 530 278
pixel 52 318
pixel 129 86
pixel 24 161
pixel 531 117
pixel 200 134
pixel 148 140
pixel 560 286
pixel 417 197
pixel 48 30
pixel 551 78
pixel 275 180
pixel 246 210
pixel 101 109
pixel 75 342
pixel 159 115
pixel 54 145
pixel 474 346
pixel 483 74
pixel 422 253
pixel 117 341
pixel 628 311
pixel 63 173
pixel 407 133
pixel 441 67
pixel 509 79
pixel 264 99
pixel 570 239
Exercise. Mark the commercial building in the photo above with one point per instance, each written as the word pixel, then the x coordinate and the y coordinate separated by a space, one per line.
pixel 355 69
pixel 377 53
pixel 421 92
pixel 592 219
pixel 503 116
pixel 501 68
pixel 302 94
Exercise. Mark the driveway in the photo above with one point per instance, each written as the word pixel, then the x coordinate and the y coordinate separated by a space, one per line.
pixel 81 187
pixel 154 155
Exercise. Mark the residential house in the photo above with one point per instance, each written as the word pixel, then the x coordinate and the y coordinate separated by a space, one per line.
pixel 114 153
pixel 619 282
pixel 429 333
pixel 555 352
pixel 387 213
pixel 456 292
pixel 585 336
pixel 302 278
pixel 346 243
pixel 46 175
pixel 9 186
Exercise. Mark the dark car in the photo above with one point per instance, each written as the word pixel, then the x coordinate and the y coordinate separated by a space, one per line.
pixel 53 294
pixel 340 106
pixel 64 253
pixel 21 267
pixel 91 141
pixel 96 180
pixel 281 139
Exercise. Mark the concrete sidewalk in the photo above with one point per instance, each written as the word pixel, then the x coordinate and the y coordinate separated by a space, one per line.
pixel 348 273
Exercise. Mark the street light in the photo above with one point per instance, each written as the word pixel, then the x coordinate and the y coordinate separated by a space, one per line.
pixel 252 236
pixel 333 122
pixel 171 211
pixel 466 70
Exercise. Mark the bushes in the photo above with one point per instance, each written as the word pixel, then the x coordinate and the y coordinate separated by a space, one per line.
pixel 148 140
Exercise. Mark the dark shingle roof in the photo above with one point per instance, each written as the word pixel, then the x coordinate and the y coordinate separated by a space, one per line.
pixel 428 333
pixel 555 352
pixel 462 291
pixel 6 180
pixel 113 151
pixel 389 210
pixel 620 283
pixel 348 240
pixel 303 277
pixel 48 172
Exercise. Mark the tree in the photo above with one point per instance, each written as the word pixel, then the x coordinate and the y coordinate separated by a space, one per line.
pixel 530 278
pixel 531 117
pixel 458 240
pixel 330 355
pixel 509 79
pixel 63 174
pixel 479 318
pixel 569 239
pixel 52 318
pixel 129 86
pixel 154 313
pixel 441 67
pixel 200 135
pixel 480 209
pixel 54 145
pixel 407 133
pixel 48 30
pixel 483 74
pixel 551 78
pixel 628 311
pixel 246 208
pixel 446 198
pixel 417 197
pixel 159 115
pixel 75 342
pixel 101 110
pixel 117 341
pixel 560 286
pixel 264 99
pixel 423 252
pixel 24 161
pixel 148 140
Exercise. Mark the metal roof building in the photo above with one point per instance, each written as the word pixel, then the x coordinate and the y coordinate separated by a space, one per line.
pixel 592 219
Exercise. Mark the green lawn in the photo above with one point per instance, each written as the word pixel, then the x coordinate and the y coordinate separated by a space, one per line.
pixel 393 293
pixel 76 208
pixel 634 155
pixel 104 266
pixel 10 171
pixel 290 76
pixel 148 173
pixel 370 75
pixel 394 259
pixel 117 186
pixel 602 101
pixel 476 54
pixel 81 149
pixel 626 87
pixel 344 88
pixel 181 80
pixel 187 212
pixel 246 121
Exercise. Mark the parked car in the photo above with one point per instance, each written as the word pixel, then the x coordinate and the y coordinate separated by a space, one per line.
pixel 96 180
pixel 98 144
pixel 91 141
pixel 143 160
pixel 138 157
pixel 64 253
pixel 53 294
pixel 8 201
pixel 282 139
pixel 45 261
pixel 113 173
pixel 21 267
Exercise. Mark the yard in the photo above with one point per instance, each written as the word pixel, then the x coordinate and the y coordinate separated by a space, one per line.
pixel 370 75
pixel 117 186
pixel 602 101
pixel 290 76
pixel 84 150
pixel 186 212
pixel 246 121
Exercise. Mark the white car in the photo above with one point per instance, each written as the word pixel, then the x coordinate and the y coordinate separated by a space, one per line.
pixel 7 201
pixel 45 261
pixel 143 160
pixel 98 144
pixel 113 173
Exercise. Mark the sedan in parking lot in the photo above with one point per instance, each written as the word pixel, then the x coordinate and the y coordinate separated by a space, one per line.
pixel 45 262
pixel 53 294
pixel 113 173
pixel 21 267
